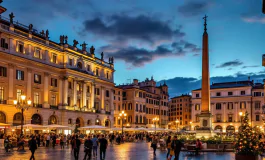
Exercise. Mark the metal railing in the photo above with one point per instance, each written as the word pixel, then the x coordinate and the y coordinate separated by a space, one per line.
pixel 53 107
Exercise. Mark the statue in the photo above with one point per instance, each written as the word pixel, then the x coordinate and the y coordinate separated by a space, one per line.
pixel 112 60
pixel 1 1
pixel 102 56
pixel 92 50
pixel 109 60
pixel 83 46
pixel 65 39
pixel 75 43
pixel 47 34
pixel 30 27
pixel 11 16
pixel 61 39
pixel 42 33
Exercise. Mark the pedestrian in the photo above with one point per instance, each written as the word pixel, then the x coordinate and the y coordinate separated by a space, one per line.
pixel 95 146
pixel 103 147
pixel 6 143
pixel 62 142
pixel 88 145
pixel 48 138
pixel 198 146
pixel 53 140
pixel 32 147
pixel 176 146
pixel 168 143
pixel 154 145
pixel 38 140
pixel 76 147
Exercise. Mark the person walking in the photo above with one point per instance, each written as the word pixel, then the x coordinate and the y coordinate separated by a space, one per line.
pixel 168 143
pixel 76 147
pixel 53 140
pixel 62 142
pixel 103 147
pixel 88 145
pixel 198 146
pixel 48 138
pixel 154 145
pixel 95 146
pixel 176 146
pixel 32 147
pixel 6 143
pixel 38 140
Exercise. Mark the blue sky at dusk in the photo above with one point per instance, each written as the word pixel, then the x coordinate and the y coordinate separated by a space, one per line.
pixel 159 38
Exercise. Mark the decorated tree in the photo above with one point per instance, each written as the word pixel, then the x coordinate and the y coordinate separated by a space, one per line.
pixel 247 141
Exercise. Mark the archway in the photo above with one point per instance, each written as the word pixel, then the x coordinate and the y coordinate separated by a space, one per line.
pixel 196 127
pixel 79 65
pixel 88 122
pixel 17 119
pixel 2 117
pixel 52 120
pixel 36 119
pixel 230 129
pixel 218 128
pixel 79 122
pixel 97 121
pixel 107 123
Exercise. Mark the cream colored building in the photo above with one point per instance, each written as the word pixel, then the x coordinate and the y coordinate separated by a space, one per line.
pixel 67 85
pixel 142 102
pixel 227 100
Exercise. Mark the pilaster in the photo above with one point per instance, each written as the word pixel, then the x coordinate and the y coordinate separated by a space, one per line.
pixel 10 83
pixel 92 97
pixel 29 81
pixel 75 93
pixel 46 91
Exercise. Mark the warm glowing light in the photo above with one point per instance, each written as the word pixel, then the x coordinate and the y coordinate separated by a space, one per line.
pixel 240 113
pixel 122 112
pixel 13 130
pixel 27 129
pixel 97 120
pixel 125 114
pixel 15 102
pixel 29 102
pixel 190 122
pixel 23 97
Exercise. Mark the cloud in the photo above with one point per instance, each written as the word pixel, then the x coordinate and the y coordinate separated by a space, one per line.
pixel 183 85
pixel 194 8
pixel 234 63
pixel 123 27
pixel 253 19
pixel 254 66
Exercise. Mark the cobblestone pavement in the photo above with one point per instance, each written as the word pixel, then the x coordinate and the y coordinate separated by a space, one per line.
pixel 127 151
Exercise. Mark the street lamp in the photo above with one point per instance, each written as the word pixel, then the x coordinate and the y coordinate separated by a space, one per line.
pixel 155 120
pixel 122 116
pixel 22 104
pixel 177 123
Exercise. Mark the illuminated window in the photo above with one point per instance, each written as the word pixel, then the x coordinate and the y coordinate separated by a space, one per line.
pixel 197 107
pixel 1 93
pixel 54 58
pixel 19 93
pixel 230 105
pixel 218 118
pixel 37 53
pixel 19 75
pixel 53 100
pixel 218 106
pixel 37 78
pixel 3 71
pixel 20 48
pixel 53 82
pixel 36 99
pixel 230 117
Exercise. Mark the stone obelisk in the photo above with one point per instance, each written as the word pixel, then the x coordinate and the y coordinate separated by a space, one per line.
pixel 205 117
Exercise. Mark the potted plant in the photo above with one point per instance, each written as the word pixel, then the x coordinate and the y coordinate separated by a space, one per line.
pixel 247 141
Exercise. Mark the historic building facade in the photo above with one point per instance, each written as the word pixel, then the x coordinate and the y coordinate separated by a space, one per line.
pixel 227 101
pixel 142 102
pixel 180 112
pixel 67 85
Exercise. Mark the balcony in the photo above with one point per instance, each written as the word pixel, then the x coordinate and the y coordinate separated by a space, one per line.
pixel 3 101
pixel 36 105
pixel 53 107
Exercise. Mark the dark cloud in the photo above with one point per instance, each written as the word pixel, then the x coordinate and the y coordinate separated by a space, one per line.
pixel 194 8
pixel 123 27
pixel 183 85
pixel 254 66
pixel 234 63
pixel 252 12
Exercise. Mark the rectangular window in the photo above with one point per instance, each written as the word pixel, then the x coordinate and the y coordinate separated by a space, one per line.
pixel 107 75
pixel 1 93
pixel 70 62
pixel 230 93
pixel 97 91
pixel 3 43
pixel 87 89
pixel 54 58
pixel 230 118
pixel 3 71
pixel 37 53
pixel 218 118
pixel 242 92
pixel 69 85
pixel 68 101
pixel 218 94
pixel 197 95
pixel 257 94
pixel 20 48
pixel 19 75
pixel 257 105
pixel 218 106
pixel 88 68
pixel 97 73
pixel 197 107
pixel 257 117
pixel 19 93
pixel 36 99
pixel 230 105
pixel 37 78
pixel 107 93
pixel 53 100
pixel 53 82
pixel 242 105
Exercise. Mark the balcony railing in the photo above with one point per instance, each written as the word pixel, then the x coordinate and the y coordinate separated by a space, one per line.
pixel 97 111
pixel 3 101
pixel 53 107
pixel 37 105
pixel 108 112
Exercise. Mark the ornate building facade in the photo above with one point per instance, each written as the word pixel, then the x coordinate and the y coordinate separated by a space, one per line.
pixel 180 112
pixel 67 85
pixel 227 101
pixel 142 102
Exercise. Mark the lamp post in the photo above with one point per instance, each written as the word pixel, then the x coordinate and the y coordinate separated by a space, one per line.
pixel 155 120
pixel 177 123
pixel 22 104
pixel 122 116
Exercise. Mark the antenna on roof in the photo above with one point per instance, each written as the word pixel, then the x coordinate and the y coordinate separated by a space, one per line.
pixel 129 80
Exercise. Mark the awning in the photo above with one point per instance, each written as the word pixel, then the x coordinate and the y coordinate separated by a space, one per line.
pixel 93 127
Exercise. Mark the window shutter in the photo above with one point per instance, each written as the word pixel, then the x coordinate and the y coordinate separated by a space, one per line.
pixel 22 75
pixel 16 74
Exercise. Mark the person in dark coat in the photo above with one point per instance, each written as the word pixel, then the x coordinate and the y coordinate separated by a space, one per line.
pixel 53 140
pixel 38 140
pixel 32 147
pixel 88 145
pixel 176 146
pixel 76 147
pixel 103 147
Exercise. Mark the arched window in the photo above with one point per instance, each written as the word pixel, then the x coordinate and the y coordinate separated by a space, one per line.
pixel 36 119
pixel 218 128
pixel 78 122
pixel 196 127
pixel 2 117
pixel 218 106
pixel 107 123
pixel 52 120
pixel 97 121
pixel 79 65
pixel 17 119
pixel 230 128
pixel 69 121
pixel 88 122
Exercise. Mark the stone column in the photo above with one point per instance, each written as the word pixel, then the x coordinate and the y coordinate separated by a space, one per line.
pixel 12 46
pixel 46 90
pixel 60 85
pixel 10 83
pixel 65 92
pixel 224 112
pixel 236 107
pixel 29 78
pixel 92 95
pixel 75 93
pixel 84 94
pixel 102 97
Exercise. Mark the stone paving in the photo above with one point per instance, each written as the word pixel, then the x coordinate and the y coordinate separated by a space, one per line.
pixel 127 151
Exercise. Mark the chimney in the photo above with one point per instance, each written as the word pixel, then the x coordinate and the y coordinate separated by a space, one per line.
pixel 135 81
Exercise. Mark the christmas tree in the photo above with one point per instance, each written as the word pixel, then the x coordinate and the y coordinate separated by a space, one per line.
pixel 247 141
